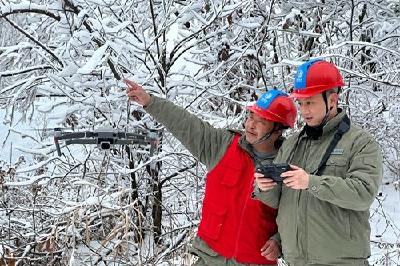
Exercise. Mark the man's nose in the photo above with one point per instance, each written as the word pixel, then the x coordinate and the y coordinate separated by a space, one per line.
pixel 251 123
pixel 304 109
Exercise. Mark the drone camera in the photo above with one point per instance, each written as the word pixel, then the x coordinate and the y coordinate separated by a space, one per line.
pixel 105 145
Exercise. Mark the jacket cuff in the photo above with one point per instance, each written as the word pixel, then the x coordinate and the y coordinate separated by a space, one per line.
pixel 277 238
pixel 266 197
pixel 314 184
pixel 152 99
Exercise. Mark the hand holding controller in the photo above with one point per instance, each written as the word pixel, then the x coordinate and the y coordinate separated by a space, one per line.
pixel 274 171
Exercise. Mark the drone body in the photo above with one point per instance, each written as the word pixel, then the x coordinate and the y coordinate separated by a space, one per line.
pixel 104 138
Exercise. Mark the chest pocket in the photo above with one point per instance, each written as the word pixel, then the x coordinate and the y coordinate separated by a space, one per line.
pixel 336 166
pixel 231 175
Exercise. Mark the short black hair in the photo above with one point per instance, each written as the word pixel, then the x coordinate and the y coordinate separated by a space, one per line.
pixel 334 90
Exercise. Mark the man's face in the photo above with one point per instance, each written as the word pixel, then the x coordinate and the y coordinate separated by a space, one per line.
pixel 313 108
pixel 256 127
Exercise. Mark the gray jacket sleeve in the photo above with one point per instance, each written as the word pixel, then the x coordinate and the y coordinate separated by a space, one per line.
pixel 358 189
pixel 206 143
pixel 270 197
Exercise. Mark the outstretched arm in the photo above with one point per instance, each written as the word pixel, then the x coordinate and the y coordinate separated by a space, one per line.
pixel 206 143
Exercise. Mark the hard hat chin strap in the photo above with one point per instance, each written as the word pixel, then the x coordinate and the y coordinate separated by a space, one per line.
pixel 264 138
pixel 267 135
pixel 327 111
pixel 325 97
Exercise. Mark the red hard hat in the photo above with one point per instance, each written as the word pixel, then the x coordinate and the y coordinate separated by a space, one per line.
pixel 275 106
pixel 316 76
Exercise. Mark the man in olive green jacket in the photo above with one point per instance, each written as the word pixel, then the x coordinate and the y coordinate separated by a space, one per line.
pixel 323 215
pixel 263 129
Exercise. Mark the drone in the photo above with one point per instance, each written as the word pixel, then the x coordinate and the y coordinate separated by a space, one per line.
pixel 104 138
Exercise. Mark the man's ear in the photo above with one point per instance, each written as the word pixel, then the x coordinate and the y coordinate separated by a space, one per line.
pixel 333 99
pixel 278 132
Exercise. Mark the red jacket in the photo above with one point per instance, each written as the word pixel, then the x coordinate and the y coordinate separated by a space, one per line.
pixel 232 223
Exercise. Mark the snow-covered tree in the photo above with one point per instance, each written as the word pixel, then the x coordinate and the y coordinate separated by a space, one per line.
pixel 62 64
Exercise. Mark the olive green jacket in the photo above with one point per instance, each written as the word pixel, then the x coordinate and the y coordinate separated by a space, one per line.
pixel 206 143
pixel 328 223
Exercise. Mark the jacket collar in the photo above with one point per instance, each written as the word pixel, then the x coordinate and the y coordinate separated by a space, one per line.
pixel 331 125
pixel 245 145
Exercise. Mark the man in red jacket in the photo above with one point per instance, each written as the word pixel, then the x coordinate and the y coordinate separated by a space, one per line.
pixel 234 228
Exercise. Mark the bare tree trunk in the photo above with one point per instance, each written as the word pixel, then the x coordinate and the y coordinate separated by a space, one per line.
pixel 137 204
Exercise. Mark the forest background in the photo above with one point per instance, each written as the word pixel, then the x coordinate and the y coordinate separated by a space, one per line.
pixel 62 63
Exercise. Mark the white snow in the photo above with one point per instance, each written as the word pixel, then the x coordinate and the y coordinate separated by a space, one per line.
pixel 96 59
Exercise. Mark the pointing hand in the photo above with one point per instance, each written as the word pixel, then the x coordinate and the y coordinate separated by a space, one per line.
pixel 136 93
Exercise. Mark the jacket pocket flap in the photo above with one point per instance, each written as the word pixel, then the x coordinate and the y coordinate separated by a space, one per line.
pixel 213 220
pixel 232 175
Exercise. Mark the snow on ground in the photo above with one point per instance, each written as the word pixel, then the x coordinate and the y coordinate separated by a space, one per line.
pixel 385 226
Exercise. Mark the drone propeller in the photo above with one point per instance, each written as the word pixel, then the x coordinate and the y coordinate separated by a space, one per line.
pixel 51 129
